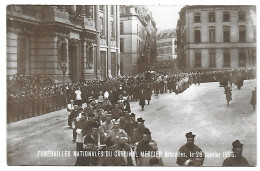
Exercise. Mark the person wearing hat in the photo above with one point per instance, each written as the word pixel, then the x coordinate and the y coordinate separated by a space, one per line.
pixel 236 159
pixel 132 124
pixel 138 132
pixel 113 134
pixel 187 149
pixel 89 145
pixel 106 126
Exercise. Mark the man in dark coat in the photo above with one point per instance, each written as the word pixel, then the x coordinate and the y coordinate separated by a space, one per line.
pixel 142 99
pixel 236 159
pixel 148 93
pixel 187 151
pixel 138 132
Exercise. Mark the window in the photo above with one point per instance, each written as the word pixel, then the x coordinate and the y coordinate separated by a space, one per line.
pixel 122 45
pixel 197 59
pixel 242 34
pixel 226 34
pixel 242 59
pixel 212 17
pixel 101 7
pixel 197 36
pixel 196 17
pixel 90 11
pixel 212 59
pixel 121 28
pixel 242 16
pixel 226 16
pixel 226 59
pixel 212 34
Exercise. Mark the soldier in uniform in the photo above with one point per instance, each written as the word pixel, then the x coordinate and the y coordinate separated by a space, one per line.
pixel 185 158
pixel 236 158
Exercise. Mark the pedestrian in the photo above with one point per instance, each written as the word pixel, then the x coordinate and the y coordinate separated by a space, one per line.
pixel 142 99
pixel 188 150
pixel 228 92
pixel 148 93
pixel 236 159
pixel 253 99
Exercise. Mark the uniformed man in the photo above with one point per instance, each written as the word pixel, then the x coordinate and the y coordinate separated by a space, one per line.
pixel 236 159
pixel 188 151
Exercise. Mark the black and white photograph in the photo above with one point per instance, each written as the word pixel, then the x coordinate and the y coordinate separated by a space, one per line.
pixel 131 85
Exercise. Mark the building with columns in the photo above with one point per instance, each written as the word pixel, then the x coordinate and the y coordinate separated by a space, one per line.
pixel 216 37
pixel 166 44
pixel 41 39
pixel 137 39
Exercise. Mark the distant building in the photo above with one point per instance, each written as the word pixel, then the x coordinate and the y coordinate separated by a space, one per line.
pixel 84 38
pixel 166 44
pixel 216 37
pixel 137 39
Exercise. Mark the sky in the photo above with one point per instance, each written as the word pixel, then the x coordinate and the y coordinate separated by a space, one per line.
pixel 165 16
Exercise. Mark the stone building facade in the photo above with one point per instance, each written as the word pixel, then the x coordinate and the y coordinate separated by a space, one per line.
pixel 216 37
pixel 41 39
pixel 137 39
pixel 166 44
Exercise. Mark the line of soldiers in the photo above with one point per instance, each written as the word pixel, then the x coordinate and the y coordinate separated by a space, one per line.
pixel 192 155
pixel 108 134
pixel 29 96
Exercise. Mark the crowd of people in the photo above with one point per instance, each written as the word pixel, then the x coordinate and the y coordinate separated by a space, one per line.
pixel 29 96
pixel 106 131
pixel 108 134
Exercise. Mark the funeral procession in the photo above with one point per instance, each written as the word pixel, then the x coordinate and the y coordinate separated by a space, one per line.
pixel 131 85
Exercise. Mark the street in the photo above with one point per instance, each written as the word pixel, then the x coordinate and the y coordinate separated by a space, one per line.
pixel 201 110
